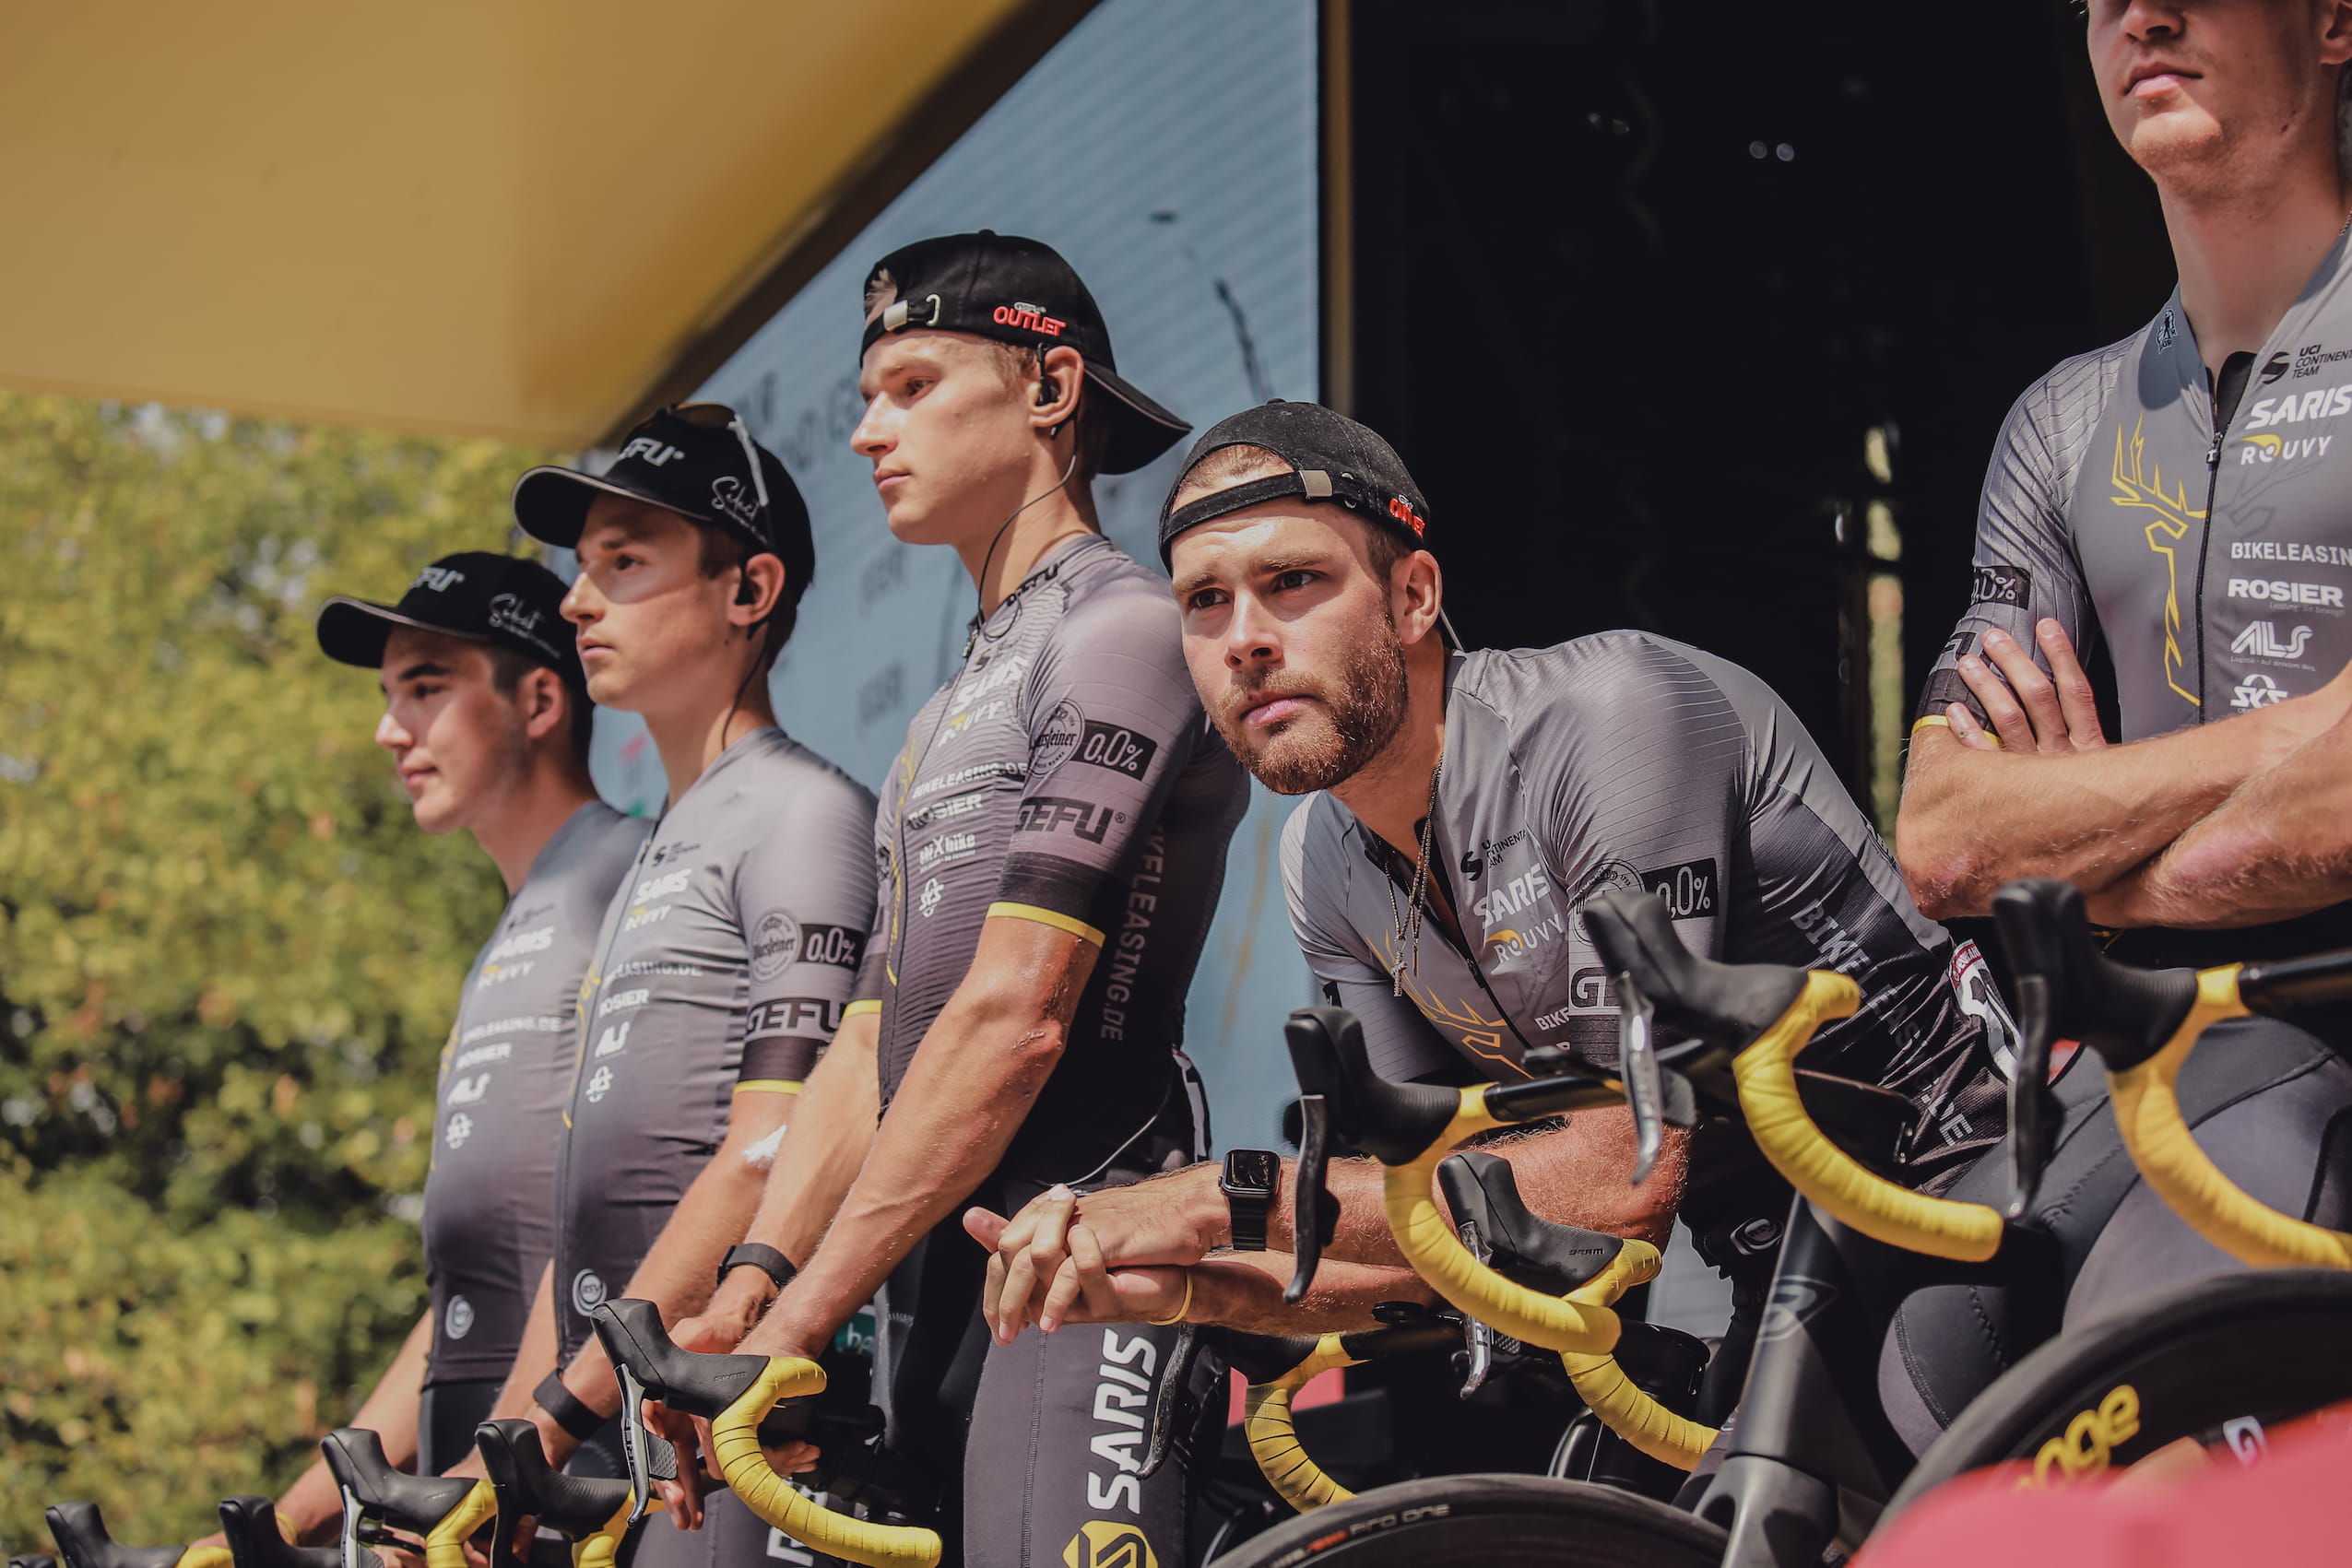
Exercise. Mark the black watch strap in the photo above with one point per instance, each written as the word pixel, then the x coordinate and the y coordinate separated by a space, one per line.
pixel 1247 1217
pixel 757 1255
pixel 571 1412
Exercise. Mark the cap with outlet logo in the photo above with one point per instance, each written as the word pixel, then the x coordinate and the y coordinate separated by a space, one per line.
pixel 1022 293
pixel 694 459
pixel 481 598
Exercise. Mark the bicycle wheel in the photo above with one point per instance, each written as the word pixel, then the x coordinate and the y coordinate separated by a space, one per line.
pixel 2216 1361
pixel 1496 1521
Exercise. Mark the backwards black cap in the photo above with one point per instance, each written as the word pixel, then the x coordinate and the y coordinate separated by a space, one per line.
pixel 695 459
pixel 1022 293
pixel 1331 457
pixel 483 598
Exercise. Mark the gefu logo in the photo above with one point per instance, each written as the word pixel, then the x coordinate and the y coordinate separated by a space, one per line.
pixel 1047 813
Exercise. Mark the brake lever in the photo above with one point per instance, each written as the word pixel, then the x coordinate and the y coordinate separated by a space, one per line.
pixel 1477 1340
pixel 1637 1065
pixel 647 1456
pixel 1315 1213
pixel 2033 1109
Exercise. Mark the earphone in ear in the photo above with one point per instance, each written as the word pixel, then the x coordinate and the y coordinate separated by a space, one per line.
pixel 1049 390
pixel 745 592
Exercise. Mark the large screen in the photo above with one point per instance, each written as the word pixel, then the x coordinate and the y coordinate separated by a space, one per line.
pixel 1167 148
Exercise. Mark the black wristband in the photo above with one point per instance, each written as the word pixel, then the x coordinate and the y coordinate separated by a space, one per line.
pixel 759 1255
pixel 571 1412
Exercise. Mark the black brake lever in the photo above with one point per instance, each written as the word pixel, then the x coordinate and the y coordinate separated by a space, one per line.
pixel 2033 1110
pixel 1315 1213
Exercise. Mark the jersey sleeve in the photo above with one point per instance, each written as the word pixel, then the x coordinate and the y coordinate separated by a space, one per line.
pixel 1399 1041
pixel 1112 719
pixel 805 894
pixel 873 971
pixel 2025 569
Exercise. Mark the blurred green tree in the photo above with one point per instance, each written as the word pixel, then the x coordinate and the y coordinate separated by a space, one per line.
pixel 228 958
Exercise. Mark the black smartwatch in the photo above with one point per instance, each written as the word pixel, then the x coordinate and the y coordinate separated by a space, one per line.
pixel 755 1255
pixel 1250 1182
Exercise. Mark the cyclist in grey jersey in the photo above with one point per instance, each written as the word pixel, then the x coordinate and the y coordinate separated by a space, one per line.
pixel 730 946
pixel 489 1196
pixel 487 722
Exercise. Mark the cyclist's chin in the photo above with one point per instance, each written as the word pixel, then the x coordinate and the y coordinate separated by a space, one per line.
pixel 1303 755
pixel 439 809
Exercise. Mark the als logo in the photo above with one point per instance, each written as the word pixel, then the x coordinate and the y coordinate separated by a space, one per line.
pixel 2004 585
pixel 458 1321
pixel 1117 747
pixel 775 944
pixel 588 1292
pixel 467 1091
pixel 1057 740
pixel 1048 813
pixel 2260 640
pixel 1105 1543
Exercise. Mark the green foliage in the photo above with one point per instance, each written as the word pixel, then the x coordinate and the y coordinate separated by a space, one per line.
pixel 228 958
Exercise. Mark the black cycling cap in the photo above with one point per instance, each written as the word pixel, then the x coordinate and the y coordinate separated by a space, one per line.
pixel 1022 293
pixel 1331 457
pixel 695 459
pixel 498 599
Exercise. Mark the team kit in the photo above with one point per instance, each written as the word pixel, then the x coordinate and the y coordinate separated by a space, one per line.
pixel 891 1074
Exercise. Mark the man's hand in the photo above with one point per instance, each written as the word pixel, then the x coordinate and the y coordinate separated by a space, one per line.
pixel 2030 711
pixel 690 1435
pixel 1082 1287
pixel 1165 1221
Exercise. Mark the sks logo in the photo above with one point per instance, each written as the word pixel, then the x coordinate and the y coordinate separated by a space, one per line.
pixel 1105 1543
pixel 440 579
pixel 1028 317
pixel 2089 1440
pixel 1400 508
pixel 1047 813
pixel 2139 486
pixel 653 452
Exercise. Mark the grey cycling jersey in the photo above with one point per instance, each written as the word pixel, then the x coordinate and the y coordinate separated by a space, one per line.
pixel 490 1198
pixel 1624 759
pixel 723 966
pixel 1066 775
pixel 2215 566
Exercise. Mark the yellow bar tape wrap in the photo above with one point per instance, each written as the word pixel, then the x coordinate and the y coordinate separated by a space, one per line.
pixel 1623 1407
pixel 736 1435
pixel 1429 1243
pixel 1967 1233
pixel 601 1548
pixel 446 1542
pixel 218 1556
pixel 1273 1442
pixel 2147 1108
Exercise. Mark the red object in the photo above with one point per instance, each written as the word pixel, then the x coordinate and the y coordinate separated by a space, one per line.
pixel 2282 1499
pixel 1323 1388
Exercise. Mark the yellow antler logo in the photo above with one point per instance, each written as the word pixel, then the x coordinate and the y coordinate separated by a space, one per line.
pixel 2144 488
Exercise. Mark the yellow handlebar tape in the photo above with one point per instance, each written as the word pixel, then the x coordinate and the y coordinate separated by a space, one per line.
pixel 602 1547
pixel 2148 1110
pixel 218 1556
pixel 446 1542
pixel 1621 1406
pixel 1437 1253
pixel 1273 1442
pixel 736 1435
pixel 1765 1071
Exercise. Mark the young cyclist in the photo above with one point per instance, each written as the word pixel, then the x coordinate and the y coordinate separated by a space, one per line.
pixel 1460 806
pixel 1051 843
pixel 723 966
pixel 486 719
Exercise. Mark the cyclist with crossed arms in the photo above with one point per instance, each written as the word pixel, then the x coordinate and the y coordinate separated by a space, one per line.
pixel 486 717
pixel 1460 806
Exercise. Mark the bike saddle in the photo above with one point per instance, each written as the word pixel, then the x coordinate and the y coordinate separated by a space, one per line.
pixel 388 1497
pixel 251 1524
pixel 81 1538
pixel 528 1486
pixel 1518 1245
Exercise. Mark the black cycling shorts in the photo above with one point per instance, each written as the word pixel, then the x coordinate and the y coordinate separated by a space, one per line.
pixel 447 1413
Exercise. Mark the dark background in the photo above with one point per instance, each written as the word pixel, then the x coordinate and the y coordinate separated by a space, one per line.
pixel 1632 364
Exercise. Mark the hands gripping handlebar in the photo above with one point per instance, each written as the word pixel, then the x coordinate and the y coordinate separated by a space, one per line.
pixel 255 1541
pixel 733 1393
pixel 443 1513
pixel 599 1516
pixel 2144 1024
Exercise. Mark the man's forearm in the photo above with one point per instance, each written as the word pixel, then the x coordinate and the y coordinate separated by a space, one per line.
pixel 831 1129
pixel 1244 1291
pixel 2279 846
pixel 1972 820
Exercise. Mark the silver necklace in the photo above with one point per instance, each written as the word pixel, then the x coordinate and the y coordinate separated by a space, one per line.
pixel 1405 929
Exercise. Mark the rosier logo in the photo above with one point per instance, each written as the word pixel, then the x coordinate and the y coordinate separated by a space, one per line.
pixel 1028 317
pixel 1400 508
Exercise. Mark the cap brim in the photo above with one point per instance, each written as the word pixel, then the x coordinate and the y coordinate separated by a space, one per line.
pixel 552 503
pixel 1140 430
pixel 354 632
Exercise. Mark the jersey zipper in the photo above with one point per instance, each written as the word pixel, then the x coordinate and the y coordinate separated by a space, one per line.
pixel 1438 876
pixel 2229 392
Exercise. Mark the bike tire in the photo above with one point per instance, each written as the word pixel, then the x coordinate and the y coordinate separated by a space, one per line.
pixel 2265 1345
pixel 1491 1521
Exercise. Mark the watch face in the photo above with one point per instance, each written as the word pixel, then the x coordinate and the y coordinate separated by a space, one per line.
pixel 1252 1171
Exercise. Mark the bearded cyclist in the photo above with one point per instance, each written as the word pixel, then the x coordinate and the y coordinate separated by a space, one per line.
pixel 1460 805
pixel 1051 843
pixel 2172 495
pixel 723 966
pixel 486 717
